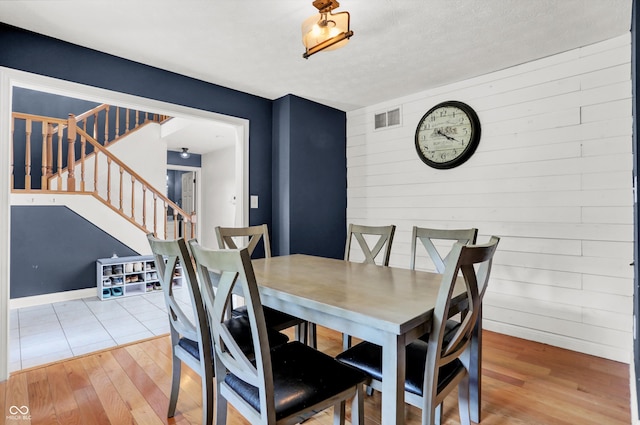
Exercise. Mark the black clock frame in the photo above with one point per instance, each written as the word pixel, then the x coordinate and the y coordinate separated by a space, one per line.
pixel 473 142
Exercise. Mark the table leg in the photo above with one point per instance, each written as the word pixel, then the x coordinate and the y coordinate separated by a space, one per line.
pixel 393 373
pixel 475 370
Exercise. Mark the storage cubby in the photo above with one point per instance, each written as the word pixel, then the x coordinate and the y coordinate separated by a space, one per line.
pixel 126 276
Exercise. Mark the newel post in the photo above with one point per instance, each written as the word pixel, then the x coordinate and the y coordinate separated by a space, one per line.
pixel 71 157
pixel 193 224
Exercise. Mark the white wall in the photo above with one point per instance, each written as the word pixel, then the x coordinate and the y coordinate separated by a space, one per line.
pixel 219 193
pixel 551 177
pixel 145 152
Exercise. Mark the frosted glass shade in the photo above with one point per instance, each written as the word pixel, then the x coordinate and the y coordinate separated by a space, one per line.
pixel 325 31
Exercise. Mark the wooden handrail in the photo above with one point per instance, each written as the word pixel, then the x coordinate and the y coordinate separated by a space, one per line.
pixel 95 112
pixel 126 168
pixel 91 112
pixel 52 120
pixel 112 159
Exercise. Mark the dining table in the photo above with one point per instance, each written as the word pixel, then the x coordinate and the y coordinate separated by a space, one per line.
pixel 388 306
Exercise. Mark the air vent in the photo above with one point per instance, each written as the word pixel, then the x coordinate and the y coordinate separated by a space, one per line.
pixel 390 118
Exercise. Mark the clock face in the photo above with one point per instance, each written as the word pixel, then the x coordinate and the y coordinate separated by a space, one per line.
pixel 447 135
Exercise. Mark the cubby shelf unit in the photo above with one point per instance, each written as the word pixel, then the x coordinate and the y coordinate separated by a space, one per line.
pixel 126 276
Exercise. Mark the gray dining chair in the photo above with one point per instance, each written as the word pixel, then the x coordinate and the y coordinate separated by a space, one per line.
pixel 430 237
pixel 441 364
pixel 372 241
pixel 434 242
pixel 282 385
pixel 190 337
pixel 383 237
pixel 250 237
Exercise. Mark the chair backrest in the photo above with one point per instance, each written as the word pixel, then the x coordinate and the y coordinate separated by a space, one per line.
pixel 361 233
pixel 228 237
pixel 428 236
pixel 168 255
pixel 236 276
pixel 474 261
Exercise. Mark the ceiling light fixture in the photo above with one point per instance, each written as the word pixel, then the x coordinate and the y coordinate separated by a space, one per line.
pixel 325 31
pixel 185 153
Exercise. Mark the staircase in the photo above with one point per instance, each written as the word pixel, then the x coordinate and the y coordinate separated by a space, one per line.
pixel 74 157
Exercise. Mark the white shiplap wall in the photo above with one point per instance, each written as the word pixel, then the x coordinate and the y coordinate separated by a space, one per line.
pixel 552 177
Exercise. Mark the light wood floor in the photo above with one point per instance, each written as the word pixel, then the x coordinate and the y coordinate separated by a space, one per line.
pixel 523 383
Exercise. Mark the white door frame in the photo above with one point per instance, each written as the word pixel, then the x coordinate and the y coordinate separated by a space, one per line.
pixel 10 78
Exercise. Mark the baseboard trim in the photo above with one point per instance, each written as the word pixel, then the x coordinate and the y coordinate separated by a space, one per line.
pixel 37 300
pixel 568 343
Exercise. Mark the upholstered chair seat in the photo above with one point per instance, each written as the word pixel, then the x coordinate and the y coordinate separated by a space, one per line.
pixel 275 319
pixel 241 331
pixel 368 358
pixel 302 377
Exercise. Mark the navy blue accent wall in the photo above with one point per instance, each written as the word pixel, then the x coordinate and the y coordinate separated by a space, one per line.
pixel 310 181
pixel 47 104
pixel 174 186
pixel 46 257
pixel 38 54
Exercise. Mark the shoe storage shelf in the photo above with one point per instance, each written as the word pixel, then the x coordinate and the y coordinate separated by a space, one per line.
pixel 126 276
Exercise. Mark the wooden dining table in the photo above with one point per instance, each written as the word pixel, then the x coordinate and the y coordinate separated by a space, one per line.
pixel 388 306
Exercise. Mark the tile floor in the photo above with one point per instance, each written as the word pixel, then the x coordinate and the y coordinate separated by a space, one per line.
pixel 51 332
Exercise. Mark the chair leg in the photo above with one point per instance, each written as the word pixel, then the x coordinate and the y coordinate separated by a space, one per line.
pixel 221 408
pixel 439 409
pixel 306 334
pixel 429 413
pixel 338 413
pixel 301 332
pixel 313 338
pixel 175 386
pixel 357 407
pixel 207 395
pixel 463 400
pixel 346 341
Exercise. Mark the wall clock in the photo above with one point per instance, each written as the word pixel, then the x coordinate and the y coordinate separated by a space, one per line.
pixel 447 135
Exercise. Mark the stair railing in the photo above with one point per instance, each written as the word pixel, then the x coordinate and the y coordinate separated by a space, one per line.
pixel 97 122
pixel 92 169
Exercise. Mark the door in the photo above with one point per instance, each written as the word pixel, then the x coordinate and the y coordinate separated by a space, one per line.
pixel 189 196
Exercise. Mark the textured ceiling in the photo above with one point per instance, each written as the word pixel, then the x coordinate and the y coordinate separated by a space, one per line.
pixel 399 47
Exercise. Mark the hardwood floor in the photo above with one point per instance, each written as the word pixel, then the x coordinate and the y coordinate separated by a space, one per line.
pixel 523 383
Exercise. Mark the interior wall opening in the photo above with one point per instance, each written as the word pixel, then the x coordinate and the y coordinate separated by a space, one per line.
pixel 236 128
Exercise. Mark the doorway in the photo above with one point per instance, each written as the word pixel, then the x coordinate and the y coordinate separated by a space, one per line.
pixel 183 188
pixel 9 79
